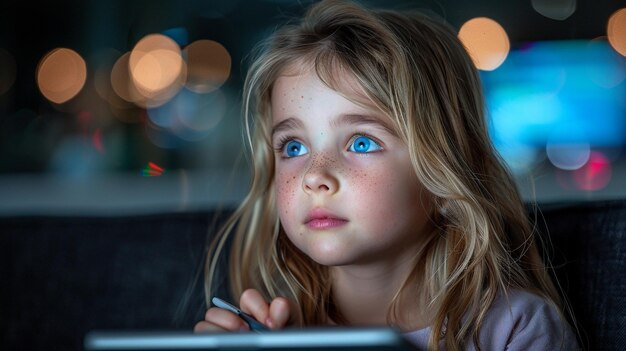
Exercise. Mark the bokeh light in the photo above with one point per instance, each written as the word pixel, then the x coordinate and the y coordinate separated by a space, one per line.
pixel 612 71
pixel 122 84
pixel 188 116
pixel 595 174
pixel 616 31
pixel 555 9
pixel 208 65
pixel 61 75
pixel 7 71
pixel 568 156
pixel 201 113
pixel 486 42
pixel 157 68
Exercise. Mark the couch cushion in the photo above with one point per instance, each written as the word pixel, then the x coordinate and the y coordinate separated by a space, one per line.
pixel 588 250
pixel 65 276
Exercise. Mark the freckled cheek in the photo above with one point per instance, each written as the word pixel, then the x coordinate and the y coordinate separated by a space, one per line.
pixel 377 200
pixel 286 186
pixel 370 191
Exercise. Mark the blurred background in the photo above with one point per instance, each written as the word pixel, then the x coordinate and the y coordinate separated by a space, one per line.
pixel 133 106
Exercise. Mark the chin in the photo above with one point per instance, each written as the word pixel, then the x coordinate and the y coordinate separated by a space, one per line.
pixel 331 258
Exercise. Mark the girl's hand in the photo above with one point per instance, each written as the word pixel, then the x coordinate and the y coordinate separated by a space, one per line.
pixel 275 315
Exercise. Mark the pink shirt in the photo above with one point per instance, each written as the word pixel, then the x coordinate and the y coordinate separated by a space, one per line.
pixel 524 321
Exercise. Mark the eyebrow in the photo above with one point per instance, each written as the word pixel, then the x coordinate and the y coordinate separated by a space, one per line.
pixel 292 123
pixel 287 124
pixel 362 119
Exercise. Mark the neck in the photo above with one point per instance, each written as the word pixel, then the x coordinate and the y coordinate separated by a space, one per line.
pixel 363 294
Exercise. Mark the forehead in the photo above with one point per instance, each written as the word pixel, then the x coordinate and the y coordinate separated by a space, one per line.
pixel 336 78
pixel 301 95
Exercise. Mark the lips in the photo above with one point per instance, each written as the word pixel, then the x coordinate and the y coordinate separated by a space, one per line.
pixel 320 218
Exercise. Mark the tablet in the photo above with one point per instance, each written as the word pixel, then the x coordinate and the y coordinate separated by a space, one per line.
pixel 305 339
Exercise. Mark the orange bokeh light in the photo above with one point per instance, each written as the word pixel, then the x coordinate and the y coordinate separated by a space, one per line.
pixel 61 75
pixel 616 31
pixel 486 42
pixel 121 81
pixel 208 65
pixel 157 68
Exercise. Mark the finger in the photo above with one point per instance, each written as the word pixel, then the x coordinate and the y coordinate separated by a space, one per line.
pixel 204 326
pixel 253 303
pixel 280 312
pixel 225 320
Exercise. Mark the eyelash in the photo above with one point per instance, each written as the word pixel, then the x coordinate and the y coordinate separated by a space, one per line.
pixel 282 142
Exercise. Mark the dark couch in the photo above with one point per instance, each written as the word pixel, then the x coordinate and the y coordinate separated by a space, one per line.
pixel 62 277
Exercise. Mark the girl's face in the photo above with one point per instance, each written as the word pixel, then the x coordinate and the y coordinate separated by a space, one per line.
pixel 346 190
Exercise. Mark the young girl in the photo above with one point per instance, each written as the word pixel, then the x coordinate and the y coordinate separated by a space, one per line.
pixel 377 197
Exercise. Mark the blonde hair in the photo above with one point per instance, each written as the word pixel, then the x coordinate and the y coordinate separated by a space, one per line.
pixel 415 70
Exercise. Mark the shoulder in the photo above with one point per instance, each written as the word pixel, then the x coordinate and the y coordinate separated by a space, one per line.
pixel 520 320
pixel 517 320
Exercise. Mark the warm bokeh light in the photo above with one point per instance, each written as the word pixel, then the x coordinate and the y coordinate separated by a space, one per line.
pixel 157 67
pixel 121 81
pixel 486 42
pixel 595 174
pixel 61 75
pixel 616 31
pixel 555 9
pixel 7 73
pixel 208 65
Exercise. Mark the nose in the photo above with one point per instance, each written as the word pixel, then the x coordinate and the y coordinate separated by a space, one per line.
pixel 320 177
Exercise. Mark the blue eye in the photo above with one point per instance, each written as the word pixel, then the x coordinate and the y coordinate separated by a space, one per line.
pixel 294 148
pixel 363 144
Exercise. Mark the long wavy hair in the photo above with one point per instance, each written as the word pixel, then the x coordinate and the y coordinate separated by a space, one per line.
pixel 415 70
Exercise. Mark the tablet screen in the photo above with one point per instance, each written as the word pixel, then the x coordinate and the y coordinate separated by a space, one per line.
pixel 328 339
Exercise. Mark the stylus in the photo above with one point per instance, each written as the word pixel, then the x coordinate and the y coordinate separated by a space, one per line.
pixel 252 323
